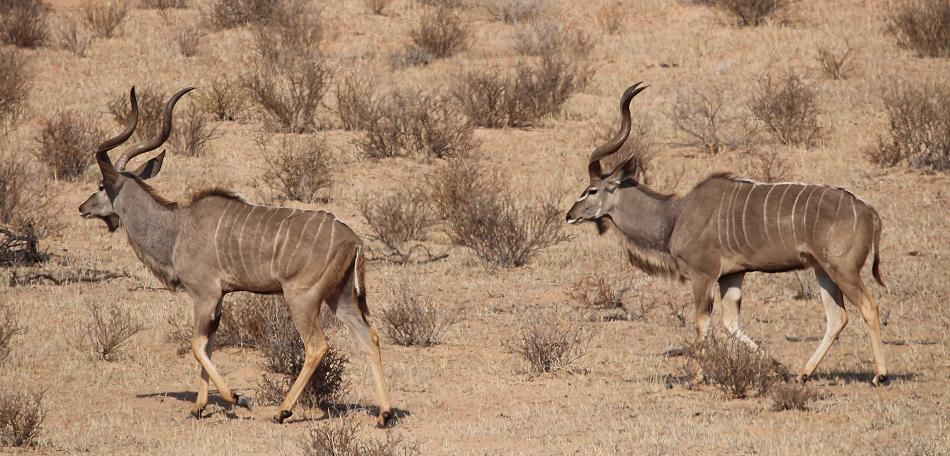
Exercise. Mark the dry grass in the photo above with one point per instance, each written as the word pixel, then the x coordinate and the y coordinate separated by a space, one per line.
pixel 73 39
pixel 602 297
pixel 189 38
pixel 26 202
pixel 298 168
pixel 65 143
pixel 923 25
pixel 788 107
pixel 104 17
pixel 766 166
pixel 192 133
pixel 750 13
pixel 163 4
pixel 107 330
pixel 24 23
pixel 440 33
pixel 611 18
pixel 918 131
pixel 514 11
pixel 709 118
pixel 836 61
pixel 21 417
pixel 792 396
pixel 549 38
pixel 343 439
pixel 235 13
pixel 151 103
pixel 736 369
pixel 550 340
pixel 357 100
pixel 398 219
pixel 9 328
pixel 411 121
pixel 223 98
pixel 14 88
pixel 377 6
pixel 492 98
pixel 481 213
pixel 412 319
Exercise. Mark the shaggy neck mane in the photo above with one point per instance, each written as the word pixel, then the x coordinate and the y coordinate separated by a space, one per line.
pixel 647 244
pixel 214 191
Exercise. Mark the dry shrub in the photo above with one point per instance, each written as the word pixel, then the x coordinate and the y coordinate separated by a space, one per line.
pixel 66 142
pixel 514 11
pixel 14 88
pixel 412 319
pixel 482 213
pixel 284 354
pixel 342 439
pixel 72 39
pixel 192 133
pixel 410 121
pixel 918 130
pixel 235 13
pixel 24 23
pixel 708 118
pixel 163 4
pixel 494 99
pixel 356 101
pixel 410 57
pixel 836 61
pixel 21 416
pixel 397 219
pixel 241 325
pixel 598 294
pixel 8 329
pixel 751 13
pixel 299 168
pixel 290 75
pixel 377 6
pixel 104 17
pixel 788 107
pixel 923 25
pixel 766 166
pixel 549 340
pixel 735 368
pixel 611 18
pixel 550 38
pixel 151 103
pixel 188 40
pixel 25 211
pixel 108 329
pixel 792 396
pixel 223 98
pixel 440 33
pixel 448 4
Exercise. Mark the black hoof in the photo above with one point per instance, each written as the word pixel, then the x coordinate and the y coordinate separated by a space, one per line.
pixel 283 415
pixel 879 380
pixel 386 419
pixel 245 401
pixel 197 413
pixel 803 378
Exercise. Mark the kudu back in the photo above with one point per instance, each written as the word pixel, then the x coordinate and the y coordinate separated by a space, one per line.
pixel 219 243
pixel 727 226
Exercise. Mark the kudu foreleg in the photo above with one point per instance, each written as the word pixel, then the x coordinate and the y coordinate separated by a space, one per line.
pixel 730 291
pixel 203 380
pixel 703 301
pixel 205 316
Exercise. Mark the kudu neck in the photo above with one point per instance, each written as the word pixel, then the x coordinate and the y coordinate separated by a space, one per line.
pixel 645 217
pixel 152 226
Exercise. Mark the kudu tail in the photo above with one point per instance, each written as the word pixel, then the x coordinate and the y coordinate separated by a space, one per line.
pixel 876 263
pixel 359 284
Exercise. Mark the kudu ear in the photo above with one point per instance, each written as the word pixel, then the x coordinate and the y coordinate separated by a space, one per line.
pixel 625 170
pixel 150 168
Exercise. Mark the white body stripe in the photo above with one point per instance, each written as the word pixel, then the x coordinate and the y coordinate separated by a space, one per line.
pixel 744 208
pixel 300 236
pixel 778 214
pixel 794 206
pixel 814 231
pixel 332 233
pixel 241 239
pixel 765 214
pixel 217 227
pixel 805 212
pixel 273 255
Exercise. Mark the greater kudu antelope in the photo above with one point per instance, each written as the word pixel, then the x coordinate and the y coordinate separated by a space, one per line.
pixel 727 226
pixel 218 243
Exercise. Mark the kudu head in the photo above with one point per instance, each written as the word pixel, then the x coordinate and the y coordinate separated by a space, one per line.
pixel 601 195
pixel 115 177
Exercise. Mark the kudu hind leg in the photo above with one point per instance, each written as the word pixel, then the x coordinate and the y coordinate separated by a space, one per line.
pixel 856 292
pixel 349 313
pixel 836 316
pixel 305 313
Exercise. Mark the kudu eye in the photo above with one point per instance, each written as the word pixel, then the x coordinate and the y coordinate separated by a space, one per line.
pixel 592 191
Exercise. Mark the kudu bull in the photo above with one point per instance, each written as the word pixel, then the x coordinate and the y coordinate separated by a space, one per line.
pixel 727 226
pixel 218 243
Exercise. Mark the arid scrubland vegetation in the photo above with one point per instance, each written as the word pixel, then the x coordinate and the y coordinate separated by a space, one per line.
pixel 452 135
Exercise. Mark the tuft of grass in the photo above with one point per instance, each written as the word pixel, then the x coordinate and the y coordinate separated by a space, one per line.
pixel 235 13
pixel 836 61
pixel 735 368
pixel 14 88
pixel 73 39
pixel 21 417
pixel 412 319
pixel 192 133
pixel 107 330
pixel 65 142
pixel 550 38
pixel 922 25
pixel 104 17
pixel 343 439
pixel 751 13
pixel 440 33
pixel 24 23
pixel 514 11
pixel 9 328
pixel 788 107
pixel 481 213
pixel 918 131
pixel 299 168
pixel 792 396
pixel 397 219
pixel 189 38
pixel 550 340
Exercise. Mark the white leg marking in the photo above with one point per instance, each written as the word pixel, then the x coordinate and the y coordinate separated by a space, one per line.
pixel 744 208
pixel 273 254
pixel 300 236
pixel 814 231
pixel 765 214
pixel 778 214
pixel 241 238
pixel 794 205
pixel 217 250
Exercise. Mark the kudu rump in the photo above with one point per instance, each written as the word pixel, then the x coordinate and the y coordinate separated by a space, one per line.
pixel 218 243
pixel 727 226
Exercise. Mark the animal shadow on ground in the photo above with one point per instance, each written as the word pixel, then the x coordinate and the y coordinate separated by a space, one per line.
pixel 848 377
